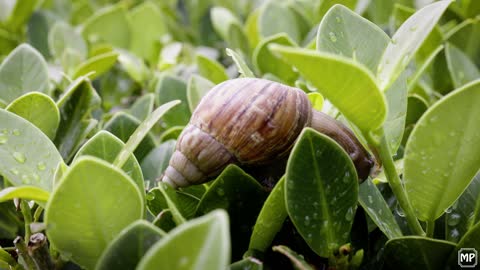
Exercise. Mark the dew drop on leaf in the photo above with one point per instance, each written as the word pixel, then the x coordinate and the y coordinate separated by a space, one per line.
pixel 453 219
pixel 333 37
pixel 150 196
pixel 3 139
pixel 14 171
pixel 19 157
pixel 220 192
pixel 16 132
pixel 41 166
pixel 25 179
pixel 338 19
pixel 399 211
pixel 413 28
pixel 349 214
pixel 370 199
pixel 307 221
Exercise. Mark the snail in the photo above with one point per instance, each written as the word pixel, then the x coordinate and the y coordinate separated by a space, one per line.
pixel 251 121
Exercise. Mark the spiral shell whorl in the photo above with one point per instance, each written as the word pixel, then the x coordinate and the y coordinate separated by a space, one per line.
pixel 246 121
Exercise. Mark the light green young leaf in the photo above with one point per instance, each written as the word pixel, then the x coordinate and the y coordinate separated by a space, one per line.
pixel 348 95
pixel 155 163
pixel 39 109
pixel 96 66
pixel 143 106
pixel 406 41
pixel 321 192
pixel 211 69
pixel 240 63
pixel 24 70
pixel 317 100
pixel 110 25
pixel 324 6
pixel 202 243
pixel 62 37
pixel 24 192
pixel 28 156
pixel 276 18
pixel 445 149
pixel 462 69
pixel 20 13
pixel 133 65
pixel 81 224
pixel 197 87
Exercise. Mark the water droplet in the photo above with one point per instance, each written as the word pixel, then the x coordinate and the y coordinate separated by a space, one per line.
pixel 315 215
pixel 454 234
pixel 370 199
pixel 318 153
pixel 413 28
pixel 354 55
pixel 25 179
pixel 433 119
pixel 14 171
pixel 220 192
pixel 183 261
pixel 399 211
pixel 41 166
pixel 452 133
pixel 4 131
pixel 453 219
pixel 16 132
pixel 448 210
pixel 36 177
pixel 333 37
pixel 349 214
pixel 406 59
pixel 338 19
pixel 20 157
pixel 451 164
pixel 394 41
pixel 307 221
pixel 150 196
pixel 3 139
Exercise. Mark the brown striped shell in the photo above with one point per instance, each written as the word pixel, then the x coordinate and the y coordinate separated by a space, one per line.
pixel 251 121
pixel 246 121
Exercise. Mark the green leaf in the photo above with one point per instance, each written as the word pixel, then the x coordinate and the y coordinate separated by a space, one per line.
pixel 270 219
pixel 38 27
pixel 170 196
pixel 128 248
pixel 276 18
pixel 20 13
pixel 24 192
pixel 123 125
pixel 462 69
pixel 110 25
pixel 321 191
pixel 156 161
pixel 171 88
pixel 445 149
pixel 470 239
pixel 394 125
pixel 202 243
pixel 82 224
pixel 326 5
pixel 7 258
pixel 298 261
pixel 464 213
pixel 143 106
pixel 416 107
pixel 39 109
pixel 348 95
pixel 197 87
pixel 147 29
pixel 249 263
pixel 96 66
pixel 240 63
pixel 76 105
pixel 346 33
pixel 406 41
pixel 251 27
pixel 414 252
pixel 171 133
pixel 133 65
pixel 228 192
pixel 267 62
pixel 28 156
pixel 377 209
pixel 227 25
pixel 106 146
pixel 24 70
pixel 211 69
pixel 179 203
pixel 317 100
pixel 62 37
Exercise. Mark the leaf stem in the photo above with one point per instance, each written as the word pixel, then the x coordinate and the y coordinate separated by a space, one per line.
pixel 430 228
pixel 27 217
pixel 394 181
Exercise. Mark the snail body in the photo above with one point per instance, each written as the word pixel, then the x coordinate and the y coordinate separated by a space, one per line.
pixel 250 121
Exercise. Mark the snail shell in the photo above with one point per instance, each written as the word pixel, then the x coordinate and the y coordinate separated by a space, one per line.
pixel 249 121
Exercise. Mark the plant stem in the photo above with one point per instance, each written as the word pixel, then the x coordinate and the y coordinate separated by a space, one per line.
pixel 26 261
pixel 27 217
pixel 395 183
pixel 430 228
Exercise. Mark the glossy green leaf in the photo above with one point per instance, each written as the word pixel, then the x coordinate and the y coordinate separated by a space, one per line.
pixel 96 66
pixel 171 199
pixel 62 37
pixel 108 25
pixel 270 219
pixel 464 213
pixel 211 69
pixel 377 209
pixel 24 70
pixel 349 96
pixel 321 191
pixel 202 243
pixel 406 41
pixel 462 69
pixel 414 252
pixel 197 87
pixel 180 204
pixel 346 33
pixel 27 155
pixel 466 37
pixel 276 18
pixel 326 5
pixel 76 106
pixel 416 107
pixel 82 224
pixel 156 161
pixel 297 260
pixel 240 63
pixel 171 88
pixel 123 125
pixel 317 100
pixel 39 109
pixel 267 62
pixel 445 149
pixel 228 192
pixel 134 66
pixel 470 239
pixel 128 248
pixel 147 29
pixel 20 13
pixel 106 146
pixel 24 192
pixel 394 125
pixel 143 107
